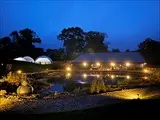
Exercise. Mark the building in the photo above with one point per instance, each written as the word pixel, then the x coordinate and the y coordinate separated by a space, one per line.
pixel 43 60
pixel 110 60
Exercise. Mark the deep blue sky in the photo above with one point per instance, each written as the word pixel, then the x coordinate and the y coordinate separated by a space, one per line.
pixel 126 22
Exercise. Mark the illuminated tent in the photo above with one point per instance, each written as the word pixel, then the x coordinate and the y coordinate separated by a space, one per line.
pixel 43 60
pixel 28 59
pixel 20 59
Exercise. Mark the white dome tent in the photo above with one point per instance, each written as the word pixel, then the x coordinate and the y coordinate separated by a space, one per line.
pixel 29 59
pixel 20 59
pixel 43 60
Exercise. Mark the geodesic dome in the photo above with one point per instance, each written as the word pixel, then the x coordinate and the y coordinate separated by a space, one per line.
pixel 29 59
pixel 43 60
pixel 20 59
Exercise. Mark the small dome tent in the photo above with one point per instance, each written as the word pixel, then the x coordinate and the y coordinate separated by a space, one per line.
pixel 43 60
pixel 29 59
pixel 20 59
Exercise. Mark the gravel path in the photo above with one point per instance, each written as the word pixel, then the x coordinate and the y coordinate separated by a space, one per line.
pixel 81 102
pixel 65 104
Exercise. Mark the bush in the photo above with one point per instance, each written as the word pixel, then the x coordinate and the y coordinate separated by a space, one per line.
pixel 97 86
pixel 154 76
pixel 77 90
pixel 14 78
pixel 3 92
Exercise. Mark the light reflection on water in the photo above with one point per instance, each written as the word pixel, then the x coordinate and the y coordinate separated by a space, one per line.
pixel 80 79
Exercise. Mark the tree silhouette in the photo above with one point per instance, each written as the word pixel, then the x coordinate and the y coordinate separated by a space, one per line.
pixel 56 54
pixel 95 42
pixel 20 44
pixel 73 40
pixel 150 50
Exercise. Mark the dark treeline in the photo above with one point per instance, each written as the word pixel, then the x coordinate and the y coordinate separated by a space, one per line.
pixel 75 41
pixel 20 43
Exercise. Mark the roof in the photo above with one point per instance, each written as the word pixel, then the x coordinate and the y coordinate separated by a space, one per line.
pixel 43 60
pixel 29 59
pixel 19 59
pixel 111 56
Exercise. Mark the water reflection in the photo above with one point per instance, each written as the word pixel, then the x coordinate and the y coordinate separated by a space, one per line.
pixel 57 87
pixel 109 79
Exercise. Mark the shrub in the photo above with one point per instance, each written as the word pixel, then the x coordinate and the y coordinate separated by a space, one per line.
pixel 97 86
pixel 154 76
pixel 77 90
pixel 15 78
pixel 3 92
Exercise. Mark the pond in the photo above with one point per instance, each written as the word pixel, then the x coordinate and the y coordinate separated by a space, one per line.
pixel 84 79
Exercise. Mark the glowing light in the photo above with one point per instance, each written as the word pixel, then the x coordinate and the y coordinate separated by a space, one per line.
pixel 84 75
pixel 128 64
pixel 128 77
pixel 144 63
pixel 98 76
pixel 113 64
pixel 98 64
pixel 84 64
pixel 68 69
pixel 19 71
pixel 112 76
pixel 68 75
pixel 145 77
pixel 145 71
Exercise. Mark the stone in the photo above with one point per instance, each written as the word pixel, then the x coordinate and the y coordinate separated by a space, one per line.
pixel 24 90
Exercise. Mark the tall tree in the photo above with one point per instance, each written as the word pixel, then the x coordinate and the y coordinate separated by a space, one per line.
pixel 5 52
pixel 95 42
pixel 24 40
pixel 150 49
pixel 73 40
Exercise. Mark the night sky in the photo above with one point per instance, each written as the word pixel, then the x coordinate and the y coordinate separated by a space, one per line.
pixel 126 22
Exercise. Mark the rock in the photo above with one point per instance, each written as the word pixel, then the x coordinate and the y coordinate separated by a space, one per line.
pixel 24 90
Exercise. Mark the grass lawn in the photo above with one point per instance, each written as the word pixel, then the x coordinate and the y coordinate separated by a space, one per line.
pixel 127 109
